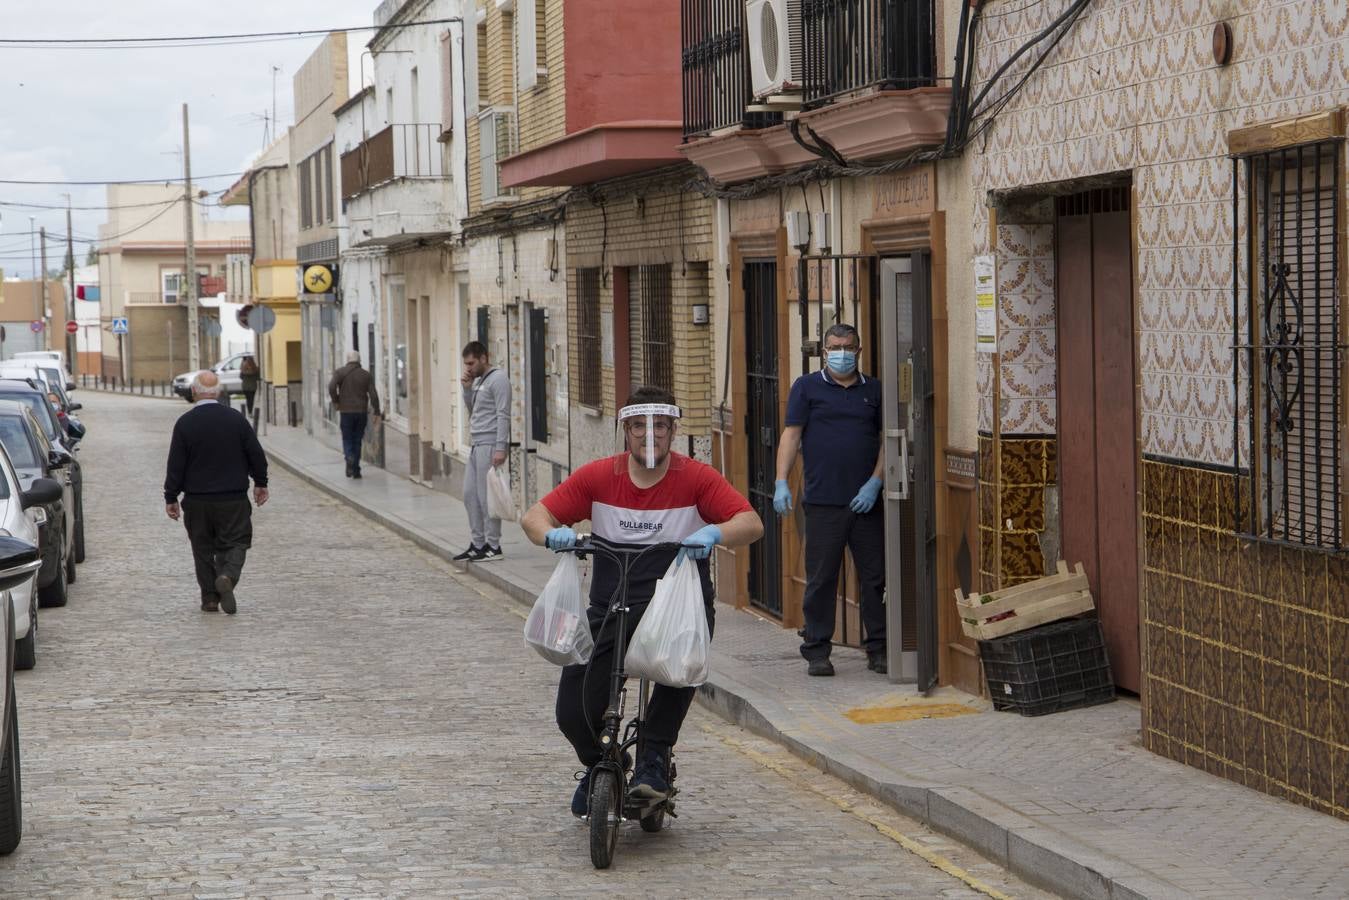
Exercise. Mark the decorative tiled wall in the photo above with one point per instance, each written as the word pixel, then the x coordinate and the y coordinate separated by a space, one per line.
pixel 1133 87
pixel 1018 520
pixel 1027 328
pixel 1245 645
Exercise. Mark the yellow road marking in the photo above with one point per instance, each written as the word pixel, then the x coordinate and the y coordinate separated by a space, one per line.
pixel 931 858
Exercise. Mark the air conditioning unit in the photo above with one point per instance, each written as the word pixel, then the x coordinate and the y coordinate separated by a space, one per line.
pixel 775 47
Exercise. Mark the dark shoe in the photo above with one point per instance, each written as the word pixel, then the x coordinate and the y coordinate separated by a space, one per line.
pixel 224 586
pixel 488 554
pixel 820 667
pixel 876 663
pixel 210 606
pixel 580 801
pixel 348 470
pixel 468 555
pixel 356 472
pixel 650 782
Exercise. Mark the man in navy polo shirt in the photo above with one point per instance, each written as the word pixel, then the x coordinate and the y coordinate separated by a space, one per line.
pixel 834 418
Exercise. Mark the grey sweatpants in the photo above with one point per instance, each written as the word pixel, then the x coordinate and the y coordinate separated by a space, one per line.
pixel 486 532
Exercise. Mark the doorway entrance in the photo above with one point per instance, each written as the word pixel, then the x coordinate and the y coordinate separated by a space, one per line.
pixel 762 430
pixel 908 420
pixel 1096 422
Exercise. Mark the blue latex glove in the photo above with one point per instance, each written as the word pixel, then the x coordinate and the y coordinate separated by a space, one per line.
pixel 560 539
pixel 699 544
pixel 782 498
pixel 866 497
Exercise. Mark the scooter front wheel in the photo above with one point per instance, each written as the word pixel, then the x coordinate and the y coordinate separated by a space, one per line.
pixel 606 812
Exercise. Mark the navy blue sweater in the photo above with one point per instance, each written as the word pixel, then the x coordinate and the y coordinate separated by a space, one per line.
pixel 212 455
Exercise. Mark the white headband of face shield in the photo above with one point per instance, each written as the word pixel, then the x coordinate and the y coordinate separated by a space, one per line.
pixel 649 411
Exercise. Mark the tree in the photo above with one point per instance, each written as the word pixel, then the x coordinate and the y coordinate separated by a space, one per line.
pixel 92 258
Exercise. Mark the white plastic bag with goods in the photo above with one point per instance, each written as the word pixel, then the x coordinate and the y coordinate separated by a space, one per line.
pixel 671 642
pixel 500 503
pixel 557 626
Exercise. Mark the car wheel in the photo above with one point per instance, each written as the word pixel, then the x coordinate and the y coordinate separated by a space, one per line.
pixel 79 528
pixel 70 566
pixel 11 787
pixel 55 594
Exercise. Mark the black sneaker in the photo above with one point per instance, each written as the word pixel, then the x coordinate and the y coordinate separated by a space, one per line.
pixel 488 554
pixel 820 667
pixel 468 555
pixel 580 801
pixel 224 586
pixel 876 663
pixel 649 782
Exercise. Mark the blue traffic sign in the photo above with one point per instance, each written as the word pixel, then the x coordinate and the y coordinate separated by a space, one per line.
pixel 119 326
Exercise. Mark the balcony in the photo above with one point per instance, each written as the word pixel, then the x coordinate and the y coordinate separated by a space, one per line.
pixel 397 152
pixel 869 87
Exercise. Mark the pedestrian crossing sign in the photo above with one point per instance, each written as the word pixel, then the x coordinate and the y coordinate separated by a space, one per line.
pixel 119 325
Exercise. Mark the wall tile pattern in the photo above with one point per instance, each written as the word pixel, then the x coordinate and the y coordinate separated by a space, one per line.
pixel 1027 330
pixel 1012 508
pixel 1244 645
pixel 1133 87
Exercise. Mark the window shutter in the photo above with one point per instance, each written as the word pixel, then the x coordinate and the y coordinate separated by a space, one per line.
pixel 526 45
pixel 446 83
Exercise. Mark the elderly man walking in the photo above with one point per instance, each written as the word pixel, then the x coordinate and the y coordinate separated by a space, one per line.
pixel 487 397
pixel 211 457
pixel 352 390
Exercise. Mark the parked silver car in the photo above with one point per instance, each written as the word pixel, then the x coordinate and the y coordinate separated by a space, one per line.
pixel 227 370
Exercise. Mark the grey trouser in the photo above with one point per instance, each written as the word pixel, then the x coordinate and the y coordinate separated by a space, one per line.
pixel 486 532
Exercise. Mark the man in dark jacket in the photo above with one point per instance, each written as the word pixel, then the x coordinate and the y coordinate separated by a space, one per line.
pixel 352 390
pixel 211 457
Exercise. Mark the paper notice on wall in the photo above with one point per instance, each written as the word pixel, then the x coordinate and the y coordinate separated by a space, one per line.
pixel 985 305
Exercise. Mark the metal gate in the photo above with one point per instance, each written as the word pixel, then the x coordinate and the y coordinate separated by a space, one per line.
pixel 538 375
pixel 761 430
pixel 910 471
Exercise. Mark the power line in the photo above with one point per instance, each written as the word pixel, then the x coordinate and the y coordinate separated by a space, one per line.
pixel 176 179
pixel 198 39
pixel 60 206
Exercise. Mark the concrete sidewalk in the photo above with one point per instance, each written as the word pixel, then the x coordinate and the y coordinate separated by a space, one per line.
pixel 1070 801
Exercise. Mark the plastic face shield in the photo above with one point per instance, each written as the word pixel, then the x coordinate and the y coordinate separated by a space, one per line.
pixel 649 411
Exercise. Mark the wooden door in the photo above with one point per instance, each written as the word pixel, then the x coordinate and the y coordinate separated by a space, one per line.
pixel 1096 422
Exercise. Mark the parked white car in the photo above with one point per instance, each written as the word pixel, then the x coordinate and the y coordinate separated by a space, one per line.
pixel 228 371
pixel 48 359
pixel 21 523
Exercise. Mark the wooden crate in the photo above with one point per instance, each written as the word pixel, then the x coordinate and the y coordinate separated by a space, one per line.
pixel 1034 603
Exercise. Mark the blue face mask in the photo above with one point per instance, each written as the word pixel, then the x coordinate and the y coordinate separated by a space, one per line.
pixel 843 362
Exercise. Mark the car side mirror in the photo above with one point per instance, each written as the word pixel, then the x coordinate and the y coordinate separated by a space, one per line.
pixel 70 385
pixel 41 492
pixel 18 561
pixel 74 406
pixel 58 459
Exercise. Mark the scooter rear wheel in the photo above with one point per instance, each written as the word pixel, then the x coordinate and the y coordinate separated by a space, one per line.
pixel 606 812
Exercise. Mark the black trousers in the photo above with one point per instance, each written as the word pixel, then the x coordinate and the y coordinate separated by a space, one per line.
pixel 579 695
pixel 828 530
pixel 221 531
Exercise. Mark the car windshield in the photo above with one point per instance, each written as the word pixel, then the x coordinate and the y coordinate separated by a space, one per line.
pixel 35 403
pixel 15 438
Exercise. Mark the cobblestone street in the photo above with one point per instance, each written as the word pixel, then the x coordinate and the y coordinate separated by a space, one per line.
pixel 370 724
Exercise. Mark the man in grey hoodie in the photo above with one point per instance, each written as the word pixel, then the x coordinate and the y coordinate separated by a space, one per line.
pixel 487 397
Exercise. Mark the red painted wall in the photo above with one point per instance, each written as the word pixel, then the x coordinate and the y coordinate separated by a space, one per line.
pixel 622 61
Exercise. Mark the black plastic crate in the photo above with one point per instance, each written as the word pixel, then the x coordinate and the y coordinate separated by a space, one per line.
pixel 1049 669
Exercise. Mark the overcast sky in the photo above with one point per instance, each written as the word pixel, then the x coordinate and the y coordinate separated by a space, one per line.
pixel 86 115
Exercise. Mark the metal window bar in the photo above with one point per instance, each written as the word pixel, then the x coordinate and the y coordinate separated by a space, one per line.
pixel 589 388
pixel 654 291
pixel 854 44
pixel 835 284
pixel 1294 350
pixel 715 68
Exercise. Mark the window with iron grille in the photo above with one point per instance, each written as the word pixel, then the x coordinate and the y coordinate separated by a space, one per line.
pixel 589 389
pixel 1289 366
pixel 652 327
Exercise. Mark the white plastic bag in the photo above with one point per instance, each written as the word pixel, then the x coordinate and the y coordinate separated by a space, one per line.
pixel 500 503
pixel 671 642
pixel 557 626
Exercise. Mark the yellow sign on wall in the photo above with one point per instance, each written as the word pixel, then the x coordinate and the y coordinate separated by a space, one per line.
pixel 318 280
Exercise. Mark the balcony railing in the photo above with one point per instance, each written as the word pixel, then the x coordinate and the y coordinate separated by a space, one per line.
pixel 399 151
pixel 854 44
pixel 716 68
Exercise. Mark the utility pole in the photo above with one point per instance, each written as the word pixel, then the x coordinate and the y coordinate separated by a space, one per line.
pixel 42 239
pixel 193 350
pixel 72 345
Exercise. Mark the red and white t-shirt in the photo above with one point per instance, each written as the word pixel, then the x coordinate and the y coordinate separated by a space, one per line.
pixel 691 495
